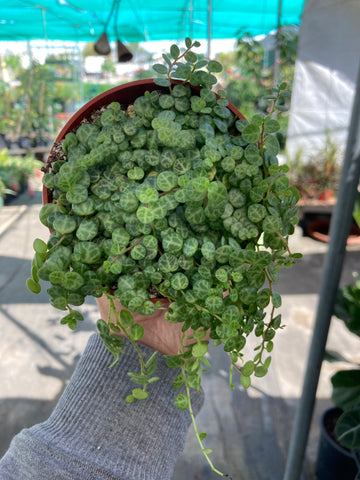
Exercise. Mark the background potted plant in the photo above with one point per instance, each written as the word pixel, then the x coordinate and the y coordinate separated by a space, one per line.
pixel 339 447
pixel 159 194
pixel 15 173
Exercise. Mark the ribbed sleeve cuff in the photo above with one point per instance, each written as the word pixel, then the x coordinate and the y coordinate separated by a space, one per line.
pixel 93 427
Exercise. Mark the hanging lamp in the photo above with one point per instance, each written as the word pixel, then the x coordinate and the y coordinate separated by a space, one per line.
pixel 102 45
pixel 123 53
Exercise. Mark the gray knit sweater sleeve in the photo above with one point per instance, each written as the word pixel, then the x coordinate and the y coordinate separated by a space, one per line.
pixel 93 434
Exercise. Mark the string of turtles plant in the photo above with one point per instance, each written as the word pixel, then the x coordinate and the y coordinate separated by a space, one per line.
pixel 176 198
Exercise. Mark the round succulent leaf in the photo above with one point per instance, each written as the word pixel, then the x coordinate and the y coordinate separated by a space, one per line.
pixel 121 236
pixel 248 368
pixel 138 393
pixel 217 192
pixel 231 315
pixel 40 246
pixel 181 401
pixel 206 130
pixel 64 224
pixel 191 57
pixel 271 224
pixel 179 281
pixel 222 275
pixel 281 184
pixel 72 280
pixel 252 155
pixel 190 246
pixel 172 242
pixel 201 288
pixel 166 101
pixel 78 194
pixel 49 180
pixel 152 157
pixel 147 194
pixel 248 295
pixel 56 277
pixel 182 104
pixel 168 263
pixel 187 139
pixel 77 299
pixel 87 252
pixel 195 216
pixel 181 91
pixel 149 241
pixel 84 209
pixel 166 181
pixel 260 371
pixel 138 252
pixel 33 286
pixel 251 133
pixel 87 230
pixel 272 145
pixel 228 164
pixel 256 212
pixel 276 300
pixel 136 333
pixel 162 82
pixel 271 125
pixel 145 215
pixel 197 104
pixel 159 68
pixel 136 173
pixel 128 202
pixel 199 349
pixel 208 250
pixel 237 198
pixel 214 66
pixel 214 304
pixel 69 174
pixel 47 210
pixel 245 381
pixel 196 189
pixel 182 165
pixel 174 51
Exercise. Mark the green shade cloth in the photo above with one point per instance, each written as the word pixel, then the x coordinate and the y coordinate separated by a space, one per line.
pixel 142 20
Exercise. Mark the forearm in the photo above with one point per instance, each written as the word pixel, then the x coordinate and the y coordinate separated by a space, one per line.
pixel 94 435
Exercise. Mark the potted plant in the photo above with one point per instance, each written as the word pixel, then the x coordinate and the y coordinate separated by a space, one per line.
pixel 15 173
pixel 160 195
pixel 339 447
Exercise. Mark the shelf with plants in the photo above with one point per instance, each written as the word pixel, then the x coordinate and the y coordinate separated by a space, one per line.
pixel 15 173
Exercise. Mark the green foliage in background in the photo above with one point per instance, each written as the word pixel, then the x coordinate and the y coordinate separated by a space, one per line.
pixel 249 72
pixel 346 383
pixel 15 172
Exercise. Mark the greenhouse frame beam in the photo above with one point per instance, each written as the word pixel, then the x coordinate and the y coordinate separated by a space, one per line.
pixel 339 231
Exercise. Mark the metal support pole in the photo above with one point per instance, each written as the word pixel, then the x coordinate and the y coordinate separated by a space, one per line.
pixel 339 230
pixel 209 30
pixel 277 47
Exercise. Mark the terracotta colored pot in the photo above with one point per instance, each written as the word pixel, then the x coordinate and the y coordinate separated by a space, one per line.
pixel 319 230
pixel 125 94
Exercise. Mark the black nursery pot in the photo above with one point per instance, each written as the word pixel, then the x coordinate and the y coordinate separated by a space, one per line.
pixel 333 461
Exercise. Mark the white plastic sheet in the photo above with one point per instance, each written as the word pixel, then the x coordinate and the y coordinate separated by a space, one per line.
pixel 326 69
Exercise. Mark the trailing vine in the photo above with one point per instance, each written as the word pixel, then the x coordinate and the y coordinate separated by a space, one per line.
pixel 179 199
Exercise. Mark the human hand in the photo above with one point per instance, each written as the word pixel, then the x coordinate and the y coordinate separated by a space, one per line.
pixel 159 334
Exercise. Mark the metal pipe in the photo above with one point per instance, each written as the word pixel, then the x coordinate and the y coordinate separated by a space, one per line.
pixel 277 46
pixel 339 230
pixel 209 30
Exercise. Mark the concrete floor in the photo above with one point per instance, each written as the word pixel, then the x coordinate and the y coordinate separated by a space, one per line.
pixel 249 431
